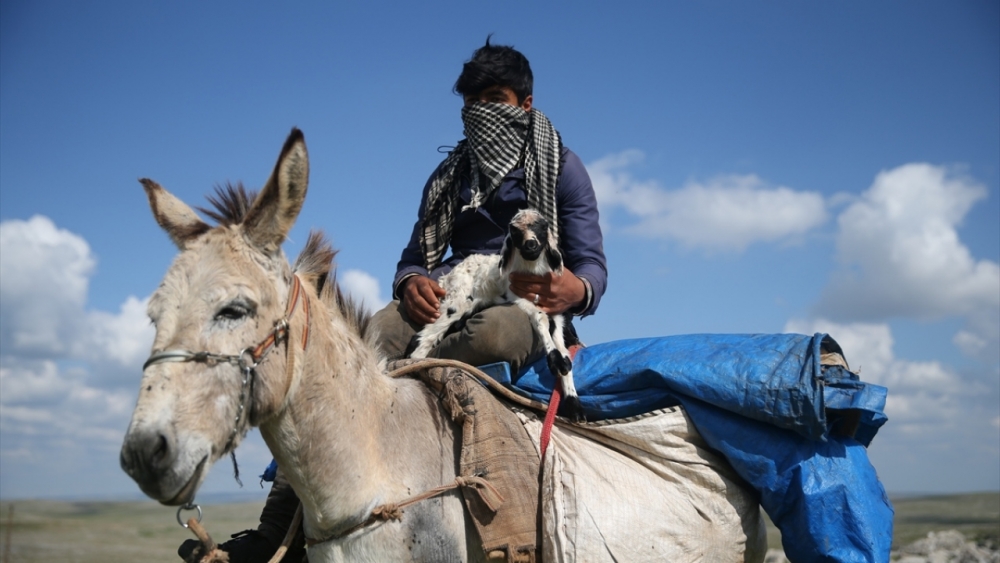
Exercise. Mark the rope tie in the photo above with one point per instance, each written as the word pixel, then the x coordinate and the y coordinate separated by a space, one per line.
pixel 388 512
pixel 489 494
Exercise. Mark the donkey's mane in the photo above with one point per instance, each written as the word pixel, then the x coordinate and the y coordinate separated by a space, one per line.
pixel 230 204
pixel 314 264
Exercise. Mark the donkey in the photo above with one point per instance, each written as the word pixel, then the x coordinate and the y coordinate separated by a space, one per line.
pixel 244 339
pixel 480 281
pixel 348 437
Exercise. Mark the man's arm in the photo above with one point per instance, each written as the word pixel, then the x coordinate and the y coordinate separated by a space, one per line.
pixel 412 284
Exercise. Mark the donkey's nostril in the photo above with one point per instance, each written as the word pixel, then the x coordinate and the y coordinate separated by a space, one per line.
pixel 159 454
pixel 147 453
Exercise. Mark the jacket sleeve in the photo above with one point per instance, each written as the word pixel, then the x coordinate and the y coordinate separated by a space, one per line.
pixel 411 263
pixel 581 240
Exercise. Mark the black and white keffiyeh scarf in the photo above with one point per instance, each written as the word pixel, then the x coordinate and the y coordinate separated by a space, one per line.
pixel 498 138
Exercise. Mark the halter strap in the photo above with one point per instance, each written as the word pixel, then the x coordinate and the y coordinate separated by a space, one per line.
pixel 249 358
pixel 255 354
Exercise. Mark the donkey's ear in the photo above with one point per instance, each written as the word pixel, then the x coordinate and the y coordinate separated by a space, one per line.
pixel 179 220
pixel 274 211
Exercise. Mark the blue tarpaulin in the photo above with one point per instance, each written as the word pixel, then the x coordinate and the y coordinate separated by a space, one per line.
pixel 796 431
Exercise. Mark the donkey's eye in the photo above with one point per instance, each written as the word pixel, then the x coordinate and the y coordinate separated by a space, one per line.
pixel 233 312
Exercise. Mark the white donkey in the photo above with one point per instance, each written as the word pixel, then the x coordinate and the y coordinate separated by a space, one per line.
pixel 243 339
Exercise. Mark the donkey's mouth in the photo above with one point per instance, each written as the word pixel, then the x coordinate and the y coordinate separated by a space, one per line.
pixel 186 494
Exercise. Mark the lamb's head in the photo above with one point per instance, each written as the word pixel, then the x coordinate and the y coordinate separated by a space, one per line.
pixel 530 234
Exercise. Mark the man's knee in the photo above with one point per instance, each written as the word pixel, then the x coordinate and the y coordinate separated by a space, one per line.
pixel 502 333
pixel 395 329
pixel 504 328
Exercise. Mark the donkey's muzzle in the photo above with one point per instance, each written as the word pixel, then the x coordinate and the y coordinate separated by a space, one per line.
pixel 147 456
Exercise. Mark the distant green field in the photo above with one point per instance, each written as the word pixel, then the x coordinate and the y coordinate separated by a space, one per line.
pixel 93 532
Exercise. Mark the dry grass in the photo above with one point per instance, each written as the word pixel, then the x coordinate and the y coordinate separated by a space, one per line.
pixel 976 515
pixel 92 532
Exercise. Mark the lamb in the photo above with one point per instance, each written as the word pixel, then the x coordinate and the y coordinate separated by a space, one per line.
pixel 482 281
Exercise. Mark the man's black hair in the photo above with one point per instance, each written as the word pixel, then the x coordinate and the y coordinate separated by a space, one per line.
pixel 495 65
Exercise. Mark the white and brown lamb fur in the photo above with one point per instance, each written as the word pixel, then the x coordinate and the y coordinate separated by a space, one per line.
pixel 482 281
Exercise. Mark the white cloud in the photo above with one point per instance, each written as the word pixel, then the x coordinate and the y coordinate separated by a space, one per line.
pixel 901 256
pixel 45 272
pixel 362 286
pixel 118 342
pixel 67 374
pixel 728 212
pixel 33 382
pixel 39 399
pixel 868 348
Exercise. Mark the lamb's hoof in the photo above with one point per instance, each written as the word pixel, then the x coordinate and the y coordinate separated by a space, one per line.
pixel 571 408
pixel 559 365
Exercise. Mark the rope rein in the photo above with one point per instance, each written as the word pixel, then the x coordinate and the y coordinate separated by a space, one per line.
pixel 482 376
pixel 293 528
pixel 213 554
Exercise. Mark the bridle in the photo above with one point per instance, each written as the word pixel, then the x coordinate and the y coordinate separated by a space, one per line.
pixel 249 358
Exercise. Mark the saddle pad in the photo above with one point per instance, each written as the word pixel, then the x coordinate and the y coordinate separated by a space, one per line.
pixel 497 448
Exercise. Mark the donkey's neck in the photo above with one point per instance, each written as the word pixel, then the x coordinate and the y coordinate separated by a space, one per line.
pixel 345 438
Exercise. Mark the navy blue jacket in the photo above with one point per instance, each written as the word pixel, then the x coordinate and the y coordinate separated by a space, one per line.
pixel 482 231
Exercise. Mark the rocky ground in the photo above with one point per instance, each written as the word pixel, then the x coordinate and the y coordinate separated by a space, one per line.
pixel 949 546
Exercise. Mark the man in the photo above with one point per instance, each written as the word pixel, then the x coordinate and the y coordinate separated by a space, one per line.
pixel 511 158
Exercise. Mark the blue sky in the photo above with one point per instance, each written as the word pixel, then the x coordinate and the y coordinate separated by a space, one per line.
pixel 760 167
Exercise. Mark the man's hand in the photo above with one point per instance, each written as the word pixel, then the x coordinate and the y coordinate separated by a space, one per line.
pixel 556 294
pixel 421 299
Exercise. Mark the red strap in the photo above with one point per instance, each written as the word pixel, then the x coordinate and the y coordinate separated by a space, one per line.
pixel 550 418
pixel 550 413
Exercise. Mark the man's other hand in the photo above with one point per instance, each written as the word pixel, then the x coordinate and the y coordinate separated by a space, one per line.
pixel 556 294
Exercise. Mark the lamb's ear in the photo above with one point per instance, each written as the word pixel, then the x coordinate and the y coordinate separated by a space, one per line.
pixel 554 258
pixel 179 220
pixel 274 211
pixel 506 253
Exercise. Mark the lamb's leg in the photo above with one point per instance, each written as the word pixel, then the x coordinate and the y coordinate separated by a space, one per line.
pixel 557 356
pixel 570 407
